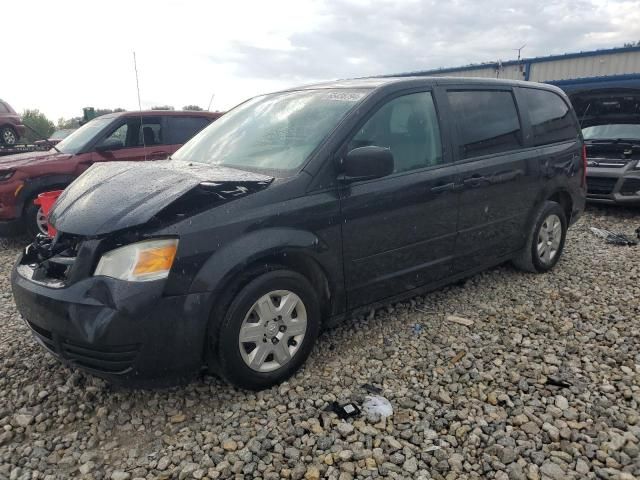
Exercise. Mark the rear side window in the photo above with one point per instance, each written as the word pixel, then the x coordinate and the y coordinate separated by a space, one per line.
pixel 182 129
pixel 487 121
pixel 550 117
pixel 3 108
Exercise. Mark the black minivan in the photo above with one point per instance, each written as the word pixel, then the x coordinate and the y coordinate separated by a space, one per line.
pixel 293 210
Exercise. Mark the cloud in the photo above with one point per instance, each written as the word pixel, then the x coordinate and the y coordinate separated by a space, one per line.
pixel 71 54
pixel 359 39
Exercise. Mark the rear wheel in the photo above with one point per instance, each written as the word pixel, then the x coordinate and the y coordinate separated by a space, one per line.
pixel 268 330
pixel 8 136
pixel 545 241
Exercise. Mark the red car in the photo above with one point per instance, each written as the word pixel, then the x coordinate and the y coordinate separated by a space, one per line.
pixel 126 136
pixel 11 127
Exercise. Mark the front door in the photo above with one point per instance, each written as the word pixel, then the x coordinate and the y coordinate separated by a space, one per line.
pixel 399 231
pixel 140 139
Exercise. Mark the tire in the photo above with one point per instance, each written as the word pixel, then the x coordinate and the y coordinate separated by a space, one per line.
pixel 31 219
pixel 8 136
pixel 545 241
pixel 273 336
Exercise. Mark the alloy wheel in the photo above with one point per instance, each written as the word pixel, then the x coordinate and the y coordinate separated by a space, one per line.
pixel 42 222
pixel 549 238
pixel 8 137
pixel 272 331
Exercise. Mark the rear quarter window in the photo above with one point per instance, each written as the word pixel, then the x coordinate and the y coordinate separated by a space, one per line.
pixel 181 129
pixel 550 117
pixel 487 121
pixel 3 108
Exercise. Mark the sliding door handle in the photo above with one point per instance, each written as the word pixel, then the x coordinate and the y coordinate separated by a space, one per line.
pixel 447 187
pixel 474 181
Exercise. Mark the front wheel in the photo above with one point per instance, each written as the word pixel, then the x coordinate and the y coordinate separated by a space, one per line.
pixel 35 221
pixel 268 330
pixel 545 241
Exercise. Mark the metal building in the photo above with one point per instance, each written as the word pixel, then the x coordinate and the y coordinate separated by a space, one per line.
pixel 610 68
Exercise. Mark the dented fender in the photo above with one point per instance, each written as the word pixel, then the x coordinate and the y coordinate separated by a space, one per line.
pixel 234 257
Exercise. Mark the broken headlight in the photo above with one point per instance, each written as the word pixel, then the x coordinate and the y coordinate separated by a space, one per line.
pixel 139 262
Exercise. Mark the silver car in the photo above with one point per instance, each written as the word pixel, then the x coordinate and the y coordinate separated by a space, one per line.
pixel 611 129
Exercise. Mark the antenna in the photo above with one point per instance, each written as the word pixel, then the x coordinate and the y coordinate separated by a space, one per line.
pixel 210 102
pixel 519 50
pixel 135 67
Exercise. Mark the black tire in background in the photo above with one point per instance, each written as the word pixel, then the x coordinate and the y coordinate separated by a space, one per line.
pixel 225 339
pixel 8 136
pixel 549 218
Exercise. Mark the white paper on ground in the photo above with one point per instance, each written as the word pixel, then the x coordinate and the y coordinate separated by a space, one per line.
pixel 377 405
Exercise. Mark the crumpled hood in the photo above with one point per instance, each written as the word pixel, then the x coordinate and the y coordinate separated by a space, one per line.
pixel 119 195
pixel 30 158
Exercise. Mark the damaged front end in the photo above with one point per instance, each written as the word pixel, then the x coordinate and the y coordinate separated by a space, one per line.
pixel 49 261
pixel 112 325
pixel 107 326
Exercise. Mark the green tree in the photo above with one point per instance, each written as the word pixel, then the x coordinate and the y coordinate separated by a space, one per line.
pixel 163 107
pixel 105 111
pixel 193 108
pixel 38 125
pixel 64 123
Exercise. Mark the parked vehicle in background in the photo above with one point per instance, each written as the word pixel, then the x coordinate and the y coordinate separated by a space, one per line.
pixel 294 210
pixel 126 136
pixel 11 126
pixel 55 138
pixel 611 128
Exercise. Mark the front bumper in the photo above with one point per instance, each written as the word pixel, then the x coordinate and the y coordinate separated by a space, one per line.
pixel 614 185
pixel 8 200
pixel 126 332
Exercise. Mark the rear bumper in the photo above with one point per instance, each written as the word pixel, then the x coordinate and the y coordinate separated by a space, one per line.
pixel 21 130
pixel 126 332
pixel 614 185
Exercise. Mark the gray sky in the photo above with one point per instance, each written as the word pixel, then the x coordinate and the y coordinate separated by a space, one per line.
pixel 70 54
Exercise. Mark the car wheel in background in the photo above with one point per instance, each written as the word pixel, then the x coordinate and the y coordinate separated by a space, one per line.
pixel 268 330
pixel 8 136
pixel 545 241
pixel 35 221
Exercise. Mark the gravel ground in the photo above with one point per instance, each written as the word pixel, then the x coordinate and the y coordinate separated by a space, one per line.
pixel 474 401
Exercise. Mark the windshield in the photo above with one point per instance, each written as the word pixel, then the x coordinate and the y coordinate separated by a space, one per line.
pixel 271 132
pixel 78 139
pixel 612 132
pixel 60 134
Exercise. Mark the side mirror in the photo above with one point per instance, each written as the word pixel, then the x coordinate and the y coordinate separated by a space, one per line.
pixel 366 163
pixel 109 144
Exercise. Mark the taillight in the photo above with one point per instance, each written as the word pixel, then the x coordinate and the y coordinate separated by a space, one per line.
pixel 584 165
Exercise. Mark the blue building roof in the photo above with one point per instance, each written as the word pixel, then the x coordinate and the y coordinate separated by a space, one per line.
pixel 523 61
